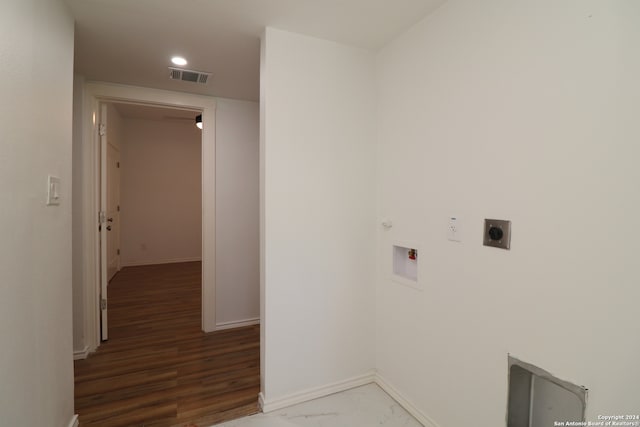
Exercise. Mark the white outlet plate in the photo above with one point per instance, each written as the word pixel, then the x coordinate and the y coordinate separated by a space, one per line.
pixel 454 230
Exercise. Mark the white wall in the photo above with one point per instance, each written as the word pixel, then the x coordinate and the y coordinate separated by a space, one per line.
pixel 77 178
pixel 237 212
pixel 161 192
pixel 115 127
pixel 36 61
pixel 524 111
pixel 318 158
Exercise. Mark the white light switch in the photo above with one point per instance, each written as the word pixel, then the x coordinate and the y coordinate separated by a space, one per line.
pixel 53 191
pixel 454 232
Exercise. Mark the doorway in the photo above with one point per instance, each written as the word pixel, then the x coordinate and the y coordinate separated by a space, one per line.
pixel 152 200
pixel 91 221
pixel 239 335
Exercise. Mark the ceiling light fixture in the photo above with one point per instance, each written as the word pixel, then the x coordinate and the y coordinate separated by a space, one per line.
pixel 178 60
pixel 199 121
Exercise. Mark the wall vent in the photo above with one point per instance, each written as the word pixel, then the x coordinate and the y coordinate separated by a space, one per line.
pixel 538 399
pixel 189 75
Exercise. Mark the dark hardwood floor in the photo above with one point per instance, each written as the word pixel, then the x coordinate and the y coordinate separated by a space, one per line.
pixel 158 368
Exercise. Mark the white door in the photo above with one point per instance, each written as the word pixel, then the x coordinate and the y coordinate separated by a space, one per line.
pixel 113 209
pixel 103 224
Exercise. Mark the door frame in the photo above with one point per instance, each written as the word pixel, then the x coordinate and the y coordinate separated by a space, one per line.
pixel 113 235
pixel 96 93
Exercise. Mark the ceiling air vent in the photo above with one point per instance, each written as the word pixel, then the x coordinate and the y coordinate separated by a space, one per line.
pixel 188 75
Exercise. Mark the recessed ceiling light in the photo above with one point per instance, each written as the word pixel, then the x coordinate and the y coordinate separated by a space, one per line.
pixel 178 60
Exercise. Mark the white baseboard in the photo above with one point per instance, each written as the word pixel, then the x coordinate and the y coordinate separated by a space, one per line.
pixel 74 421
pixel 81 354
pixel 237 324
pixel 315 393
pixel 162 261
pixel 318 392
pixel 404 402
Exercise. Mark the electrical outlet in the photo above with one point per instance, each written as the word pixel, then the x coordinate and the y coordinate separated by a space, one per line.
pixel 453 230
pixel 497 233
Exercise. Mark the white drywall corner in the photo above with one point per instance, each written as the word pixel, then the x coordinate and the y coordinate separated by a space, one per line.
pixel 318 213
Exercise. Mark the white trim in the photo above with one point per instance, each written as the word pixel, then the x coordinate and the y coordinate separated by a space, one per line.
pixel 81 354
pixel 74 421
pixel 237 324
pixel 90 250
pixel 94 93
pixel 164 261
pixel 103 260
pixel 315 393
pixel 404 402
pixel 318 392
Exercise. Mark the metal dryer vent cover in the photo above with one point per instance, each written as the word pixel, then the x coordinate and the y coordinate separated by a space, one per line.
pixel 189 75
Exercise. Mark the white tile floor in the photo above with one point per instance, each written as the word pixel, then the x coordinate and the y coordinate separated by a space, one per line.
pixel 359 407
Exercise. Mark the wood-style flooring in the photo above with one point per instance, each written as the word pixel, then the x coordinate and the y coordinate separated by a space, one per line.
pixel 158 368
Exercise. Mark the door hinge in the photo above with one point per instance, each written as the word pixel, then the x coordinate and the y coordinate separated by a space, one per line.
pixel 118 165
pixel 118 251
pixel 103 304
pixel 102 129
pixel 118 208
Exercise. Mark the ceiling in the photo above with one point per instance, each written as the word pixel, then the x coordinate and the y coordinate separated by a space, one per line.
pixel 132 41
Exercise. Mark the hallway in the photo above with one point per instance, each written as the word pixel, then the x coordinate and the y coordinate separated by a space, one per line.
pixel 158 368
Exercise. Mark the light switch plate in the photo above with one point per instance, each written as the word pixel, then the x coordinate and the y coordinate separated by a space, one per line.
pixel 497 233
pixel 53 191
